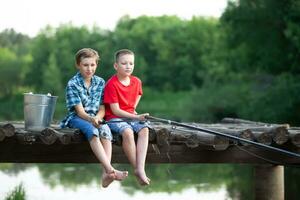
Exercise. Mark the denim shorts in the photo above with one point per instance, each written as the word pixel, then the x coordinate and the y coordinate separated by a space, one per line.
pixel 119 127
pixel 89 130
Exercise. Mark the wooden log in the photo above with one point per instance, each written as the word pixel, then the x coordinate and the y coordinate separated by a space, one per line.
pixel 198 138
pixel 48 136
pixel 280 135
pixel 295 137
pixel 162 137
pixel 6 130
pixel 76 135
pixel 211 141
pixel 263 137
pixel 240 121
pixel 9 130
pixel 243 133
pixel 243 121
pixel 26 138
pixel 63 137
pixel 152 135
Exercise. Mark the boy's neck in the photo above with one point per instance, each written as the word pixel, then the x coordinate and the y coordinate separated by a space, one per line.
pixel 87 82
pixel 125 80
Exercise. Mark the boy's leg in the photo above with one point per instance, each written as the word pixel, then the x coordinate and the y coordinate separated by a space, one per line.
pixel 142 129
pixel 135 154
pixel 142 147
pixel 128 145
pixel 106 138
pixel 92 134
pixel 100 154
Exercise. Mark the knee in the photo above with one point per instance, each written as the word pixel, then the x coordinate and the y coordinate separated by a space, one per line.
pixel 128 134
pixel 144 132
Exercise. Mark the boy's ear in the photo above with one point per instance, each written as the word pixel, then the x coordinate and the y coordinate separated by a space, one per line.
pixel 76 65
pixel 115 66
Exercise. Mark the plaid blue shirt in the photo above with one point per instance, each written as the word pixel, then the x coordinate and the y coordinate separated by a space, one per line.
pixel 77 93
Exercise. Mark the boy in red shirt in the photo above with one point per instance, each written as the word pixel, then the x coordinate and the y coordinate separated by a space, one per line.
pixel 122 94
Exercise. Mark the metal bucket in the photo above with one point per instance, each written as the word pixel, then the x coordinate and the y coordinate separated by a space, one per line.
pixel 38 111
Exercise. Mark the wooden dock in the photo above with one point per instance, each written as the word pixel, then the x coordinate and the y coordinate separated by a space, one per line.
pixel 167 144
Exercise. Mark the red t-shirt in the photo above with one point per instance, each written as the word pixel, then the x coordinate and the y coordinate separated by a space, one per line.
pixel 126 96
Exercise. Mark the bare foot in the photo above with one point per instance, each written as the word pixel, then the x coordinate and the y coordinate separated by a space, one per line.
pixel 107 179
pixel 142 177
pixel 120 175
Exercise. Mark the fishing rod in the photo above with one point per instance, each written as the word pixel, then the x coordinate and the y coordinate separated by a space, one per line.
pixel 128 120
pixel 289 153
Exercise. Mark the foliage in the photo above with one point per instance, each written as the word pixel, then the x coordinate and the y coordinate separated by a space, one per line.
pixel 12 71
pixel 17 194
pixel 257 98
pixel 263 35
pixel 169 56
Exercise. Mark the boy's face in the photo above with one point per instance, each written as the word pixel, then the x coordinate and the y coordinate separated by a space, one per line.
pixel 125 65
pixel 87 67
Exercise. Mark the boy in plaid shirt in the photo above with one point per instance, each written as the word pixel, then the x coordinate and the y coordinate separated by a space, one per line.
pixel 84 98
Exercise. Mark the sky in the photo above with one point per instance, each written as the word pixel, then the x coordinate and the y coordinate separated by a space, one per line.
pixel 30 16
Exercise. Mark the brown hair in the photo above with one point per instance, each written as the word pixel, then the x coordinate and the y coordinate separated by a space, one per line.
pixel 86 53
pixel 122 52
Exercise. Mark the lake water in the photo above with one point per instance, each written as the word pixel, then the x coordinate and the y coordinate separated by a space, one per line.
pixel 43 182
pixel 168 182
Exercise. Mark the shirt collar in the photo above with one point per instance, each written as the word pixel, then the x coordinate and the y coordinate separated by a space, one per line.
pixel 81 79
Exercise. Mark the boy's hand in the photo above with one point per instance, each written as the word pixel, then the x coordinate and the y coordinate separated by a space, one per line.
pixel 96 121
pixel 142 117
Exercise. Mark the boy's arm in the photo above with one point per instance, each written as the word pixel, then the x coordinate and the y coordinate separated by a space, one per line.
pixel 137 101
pixel 101 113
pixel 115 108
pixel 82 114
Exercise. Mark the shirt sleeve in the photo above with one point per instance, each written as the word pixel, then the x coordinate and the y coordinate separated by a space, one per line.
pixel 72 97
pixel 140 90
pixel 110 94
pixel 102 92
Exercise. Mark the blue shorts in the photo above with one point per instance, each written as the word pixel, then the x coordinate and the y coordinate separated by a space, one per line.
pixel 89 130
pixel 119 127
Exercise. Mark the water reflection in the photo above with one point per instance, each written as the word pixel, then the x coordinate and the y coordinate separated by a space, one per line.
pixel 229 181
pixel 166 178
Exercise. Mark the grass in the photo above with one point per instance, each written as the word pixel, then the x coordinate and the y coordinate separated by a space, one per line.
pixel 17 194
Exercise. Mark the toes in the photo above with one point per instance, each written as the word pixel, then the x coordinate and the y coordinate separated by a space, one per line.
pixel 120 175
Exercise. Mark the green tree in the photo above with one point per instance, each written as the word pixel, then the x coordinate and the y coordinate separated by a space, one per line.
pixel 263 35
pixel 52 77
pixel 12 69
pixel 16 42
